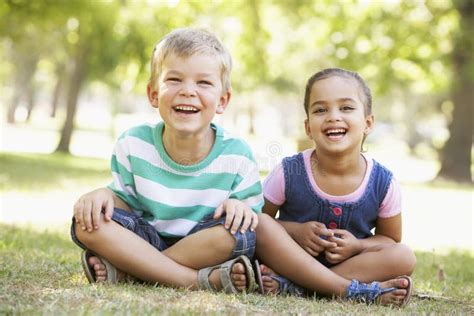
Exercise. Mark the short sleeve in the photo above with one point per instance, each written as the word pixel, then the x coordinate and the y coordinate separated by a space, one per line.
pixel 274 186
pixel 392 203
pixel 123 184
pixel 248 189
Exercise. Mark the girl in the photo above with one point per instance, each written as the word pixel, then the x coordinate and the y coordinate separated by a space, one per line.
pixel 329 199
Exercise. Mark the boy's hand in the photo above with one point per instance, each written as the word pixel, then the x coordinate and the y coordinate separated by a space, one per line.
pixel 88 207
pixel 347 246
pixel 237 213
pixel 308 236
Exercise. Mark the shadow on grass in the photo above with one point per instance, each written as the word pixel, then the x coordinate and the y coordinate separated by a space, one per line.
pixel 47 171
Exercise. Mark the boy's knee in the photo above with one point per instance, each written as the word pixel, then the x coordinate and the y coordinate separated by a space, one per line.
pixel 88 238
pixel 221 240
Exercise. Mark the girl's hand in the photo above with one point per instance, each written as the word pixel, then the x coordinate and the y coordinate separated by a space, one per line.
pixel 88 207
pixel 347 246
pixel 238 213
pixel 307 235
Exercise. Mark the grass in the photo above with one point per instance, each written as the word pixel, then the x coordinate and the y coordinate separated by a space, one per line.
pixel 39 172
pixel 40 272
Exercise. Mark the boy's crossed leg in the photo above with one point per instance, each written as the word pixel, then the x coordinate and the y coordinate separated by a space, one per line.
pixel 175 266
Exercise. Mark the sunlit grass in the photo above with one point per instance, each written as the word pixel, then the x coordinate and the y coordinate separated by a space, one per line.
pixel 40 172
pixel 41 273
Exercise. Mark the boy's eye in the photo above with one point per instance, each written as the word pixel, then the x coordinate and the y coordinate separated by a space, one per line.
pixel 174 79
pixel 205 82
pixel 347 108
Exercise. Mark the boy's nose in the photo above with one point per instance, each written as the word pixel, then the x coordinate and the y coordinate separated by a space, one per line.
pixel 188 89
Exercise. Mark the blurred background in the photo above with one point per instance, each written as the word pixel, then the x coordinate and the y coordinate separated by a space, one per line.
pixel 73 76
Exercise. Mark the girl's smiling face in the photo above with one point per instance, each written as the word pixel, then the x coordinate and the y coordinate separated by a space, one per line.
pixel 337 120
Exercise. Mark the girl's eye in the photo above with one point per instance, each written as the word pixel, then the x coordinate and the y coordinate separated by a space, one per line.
pixel 319 110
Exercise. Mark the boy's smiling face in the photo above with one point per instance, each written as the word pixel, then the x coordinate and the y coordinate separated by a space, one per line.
pixel 189 93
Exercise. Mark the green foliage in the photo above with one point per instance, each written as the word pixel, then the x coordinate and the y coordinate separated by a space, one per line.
pixel 278 43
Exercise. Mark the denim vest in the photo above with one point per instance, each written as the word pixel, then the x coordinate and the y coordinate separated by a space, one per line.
pixel 303 204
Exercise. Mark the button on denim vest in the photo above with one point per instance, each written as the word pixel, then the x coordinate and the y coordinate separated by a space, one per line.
pixel 303 204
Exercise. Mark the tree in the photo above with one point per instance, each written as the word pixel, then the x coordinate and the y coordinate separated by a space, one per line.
pixel 456 156
pixel 93 47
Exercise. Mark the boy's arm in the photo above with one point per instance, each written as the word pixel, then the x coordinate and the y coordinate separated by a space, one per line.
pixel 119 203
pixel 88 207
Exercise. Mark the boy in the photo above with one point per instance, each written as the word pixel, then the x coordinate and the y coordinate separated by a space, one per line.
pixel 186 194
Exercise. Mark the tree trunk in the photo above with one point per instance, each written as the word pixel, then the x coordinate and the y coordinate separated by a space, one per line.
pixel 456 154
pixel 57 89
pixel 26 68
pixel 31 100
pixel 76 80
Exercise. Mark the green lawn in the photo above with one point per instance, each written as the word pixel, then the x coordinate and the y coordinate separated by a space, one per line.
pixel 41 274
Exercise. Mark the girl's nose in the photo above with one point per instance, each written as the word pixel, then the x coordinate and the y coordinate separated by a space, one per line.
pixel 333 116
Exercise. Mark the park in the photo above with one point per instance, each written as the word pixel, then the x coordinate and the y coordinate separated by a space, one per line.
pixel 73 78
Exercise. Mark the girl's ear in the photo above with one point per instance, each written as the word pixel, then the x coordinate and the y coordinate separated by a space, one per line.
pixel 307 129
pixel 223 102
pixel 152 96
pixel 369 124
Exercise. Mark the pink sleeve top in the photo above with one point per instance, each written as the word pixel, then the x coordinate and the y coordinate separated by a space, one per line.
pixel 274 188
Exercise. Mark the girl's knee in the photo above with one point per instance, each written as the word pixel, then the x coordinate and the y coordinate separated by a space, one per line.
pixel 404 258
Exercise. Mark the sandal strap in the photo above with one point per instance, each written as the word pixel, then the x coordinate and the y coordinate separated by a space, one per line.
pixel 286 286
pixel 224 274
pixel 203 278
pixel 112 274
pixel 366 292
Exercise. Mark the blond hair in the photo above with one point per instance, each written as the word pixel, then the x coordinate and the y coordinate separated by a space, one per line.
pixel 187 42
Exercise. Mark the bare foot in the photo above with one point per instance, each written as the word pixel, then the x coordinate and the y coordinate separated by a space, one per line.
pixel 237 275
pixel 270 285
pixel 100 270
pixel 395 297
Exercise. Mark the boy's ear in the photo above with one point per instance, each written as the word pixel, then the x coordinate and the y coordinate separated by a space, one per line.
pixel 152 96
pixel 369 124
pixel 307 129
pixel 223 102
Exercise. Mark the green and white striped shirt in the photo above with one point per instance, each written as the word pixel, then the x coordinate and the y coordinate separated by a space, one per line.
pixel 174 197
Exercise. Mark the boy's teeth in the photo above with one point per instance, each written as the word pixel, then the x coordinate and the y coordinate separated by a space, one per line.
pixel 186 108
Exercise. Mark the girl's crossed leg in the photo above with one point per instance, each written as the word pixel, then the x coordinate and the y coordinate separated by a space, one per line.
pixel 283 255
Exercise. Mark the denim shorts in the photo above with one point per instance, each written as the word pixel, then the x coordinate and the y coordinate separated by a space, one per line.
pixel 245 243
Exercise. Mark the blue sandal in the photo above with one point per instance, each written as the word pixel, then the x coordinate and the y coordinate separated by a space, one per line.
pixel 285 286
pixel 369 293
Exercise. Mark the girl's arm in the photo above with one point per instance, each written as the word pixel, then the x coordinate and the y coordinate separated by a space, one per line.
pixel 307 235
pixel 387 230
pixel 272 209
pixel 390 227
